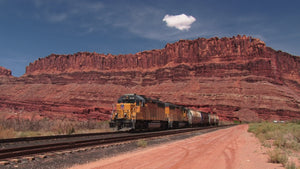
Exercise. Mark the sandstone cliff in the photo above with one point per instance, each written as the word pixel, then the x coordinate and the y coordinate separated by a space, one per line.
pixel 4 71
pixel 238 78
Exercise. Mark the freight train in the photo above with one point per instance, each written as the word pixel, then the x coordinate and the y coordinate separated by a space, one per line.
pixel 137 112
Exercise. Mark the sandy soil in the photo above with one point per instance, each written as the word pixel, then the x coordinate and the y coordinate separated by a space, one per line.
pixel 227 148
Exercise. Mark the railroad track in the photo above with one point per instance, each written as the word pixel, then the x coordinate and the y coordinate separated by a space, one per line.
pixel 14 152
pixel 26 139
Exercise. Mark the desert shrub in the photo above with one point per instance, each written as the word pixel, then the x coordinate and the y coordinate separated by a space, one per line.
pixel 29 133
pixel 296 121
pixel 225 123
pixel 93 124
pixel 266 144
pixel 291 165
pixel 236 122
pixel 277 156
pixel 6 133
pixel 63 127
pixel 142 143
pixel 284 135
pixel 30 127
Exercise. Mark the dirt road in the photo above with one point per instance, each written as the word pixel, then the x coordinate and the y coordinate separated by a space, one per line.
pixel 224 149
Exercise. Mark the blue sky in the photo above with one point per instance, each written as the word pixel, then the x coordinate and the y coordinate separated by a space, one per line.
pixel 34 29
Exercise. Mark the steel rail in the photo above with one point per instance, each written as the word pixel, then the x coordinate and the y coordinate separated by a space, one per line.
pixel 30 150
pixel 22 139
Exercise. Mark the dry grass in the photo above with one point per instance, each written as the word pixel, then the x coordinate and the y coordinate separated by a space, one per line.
pixel 225 123
pixel 142 143
pixel 291 165
pixel 280 138
pixel 6 132
pixel 13 128
pixel 277 156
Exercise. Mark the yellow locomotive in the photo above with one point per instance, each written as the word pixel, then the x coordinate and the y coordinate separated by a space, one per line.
pixel 138 112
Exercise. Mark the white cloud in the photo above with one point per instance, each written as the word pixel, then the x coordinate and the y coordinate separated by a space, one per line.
pixel 181 22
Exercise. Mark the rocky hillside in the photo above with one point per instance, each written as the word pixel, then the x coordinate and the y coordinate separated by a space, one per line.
pixel 240 78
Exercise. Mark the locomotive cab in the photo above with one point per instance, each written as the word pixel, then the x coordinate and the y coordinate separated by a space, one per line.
pixel 126 109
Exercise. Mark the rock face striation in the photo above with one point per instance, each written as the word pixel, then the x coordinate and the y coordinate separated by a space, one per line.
pixel 239 78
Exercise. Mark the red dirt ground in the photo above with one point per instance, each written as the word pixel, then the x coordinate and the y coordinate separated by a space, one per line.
pixel 227 148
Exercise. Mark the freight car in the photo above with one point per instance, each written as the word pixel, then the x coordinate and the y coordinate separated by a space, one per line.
pixel 139 112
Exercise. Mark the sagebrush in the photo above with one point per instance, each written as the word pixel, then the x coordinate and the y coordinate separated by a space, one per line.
pixel 280 138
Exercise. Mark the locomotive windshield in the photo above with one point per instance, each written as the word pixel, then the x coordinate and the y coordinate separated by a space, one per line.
pixel 131 98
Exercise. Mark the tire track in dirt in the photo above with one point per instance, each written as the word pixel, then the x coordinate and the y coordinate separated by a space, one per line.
pixel 200 150
pixel 222 149
pixel 186 154
pixel 204 148
pixel 229 154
